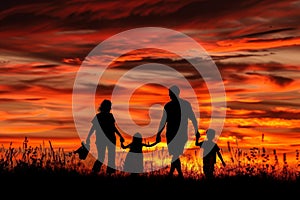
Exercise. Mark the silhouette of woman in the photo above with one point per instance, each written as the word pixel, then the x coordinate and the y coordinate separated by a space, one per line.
pixel 134 161
pixel 210 152
pixel 103 125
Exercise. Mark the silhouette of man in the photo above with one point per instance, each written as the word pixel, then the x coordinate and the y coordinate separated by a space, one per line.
pixel 176 114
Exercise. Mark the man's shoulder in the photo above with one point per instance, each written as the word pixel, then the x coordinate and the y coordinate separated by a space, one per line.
pixel 169 103
pixel 185 102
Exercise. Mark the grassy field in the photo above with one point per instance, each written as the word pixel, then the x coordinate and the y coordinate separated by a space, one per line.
pixel 53 171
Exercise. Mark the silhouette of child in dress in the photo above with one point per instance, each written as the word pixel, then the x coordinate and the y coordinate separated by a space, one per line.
pixel 134 161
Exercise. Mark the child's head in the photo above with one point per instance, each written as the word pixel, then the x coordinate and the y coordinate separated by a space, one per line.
pixel 105 106
pixel 210 134
pixel 137 137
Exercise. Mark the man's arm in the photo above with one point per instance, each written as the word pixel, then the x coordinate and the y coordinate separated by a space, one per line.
pixel 197 143
pixel 161 127
pixel 192 117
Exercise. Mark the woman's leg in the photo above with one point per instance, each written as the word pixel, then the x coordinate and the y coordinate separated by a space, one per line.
pixel 100 159
pixel 111 167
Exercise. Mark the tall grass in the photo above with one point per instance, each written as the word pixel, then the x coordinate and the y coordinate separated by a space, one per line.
pixel 255 162
pixel 54 172
pixel 27 160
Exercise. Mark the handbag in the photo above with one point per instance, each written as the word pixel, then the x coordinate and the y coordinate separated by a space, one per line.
pixel 82 151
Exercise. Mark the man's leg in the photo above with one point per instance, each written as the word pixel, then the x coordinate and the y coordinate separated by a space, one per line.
pixel 172 169
pixel 177 164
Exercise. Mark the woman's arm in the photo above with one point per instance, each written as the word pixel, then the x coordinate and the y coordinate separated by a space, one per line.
pixel 92 129
pixel 119 134
pixel 150 145
pixel 124 146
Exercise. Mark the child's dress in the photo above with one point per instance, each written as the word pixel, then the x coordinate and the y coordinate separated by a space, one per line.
pixel 134 161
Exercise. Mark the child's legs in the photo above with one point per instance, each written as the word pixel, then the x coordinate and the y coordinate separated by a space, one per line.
pixel 208 170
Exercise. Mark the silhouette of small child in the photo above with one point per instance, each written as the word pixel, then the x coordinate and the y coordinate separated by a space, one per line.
pixel 134 161
pixel 210 152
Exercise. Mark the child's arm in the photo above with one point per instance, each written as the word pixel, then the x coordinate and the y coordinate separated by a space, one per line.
pixel 221 158
pixel 150 145
pixel 124 146
pixel 197 143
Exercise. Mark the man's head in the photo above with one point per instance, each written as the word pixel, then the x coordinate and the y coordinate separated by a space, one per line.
pixel 174 92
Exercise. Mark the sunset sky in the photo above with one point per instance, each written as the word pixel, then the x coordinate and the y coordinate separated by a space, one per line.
pixel 254 44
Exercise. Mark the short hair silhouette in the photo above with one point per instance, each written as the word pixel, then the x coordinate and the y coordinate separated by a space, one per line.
pixel 175 90
pixel 210 134
pixel 210 151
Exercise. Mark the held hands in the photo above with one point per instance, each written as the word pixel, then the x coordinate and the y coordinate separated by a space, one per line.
pixel 197 135
pixel 158 139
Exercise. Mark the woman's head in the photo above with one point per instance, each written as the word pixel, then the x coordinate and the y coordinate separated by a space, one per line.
pixel 105 106
pixel 137 137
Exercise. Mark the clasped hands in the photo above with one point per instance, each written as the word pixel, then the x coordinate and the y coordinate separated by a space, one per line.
pixel 158 137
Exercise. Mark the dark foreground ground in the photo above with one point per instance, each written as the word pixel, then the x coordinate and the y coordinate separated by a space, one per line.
pixel 61 185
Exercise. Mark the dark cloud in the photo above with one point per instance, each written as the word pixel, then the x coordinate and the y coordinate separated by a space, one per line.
pixel 258 34
pixel 245 126
pixel 270 40
pixel 6 100
pixel 237 78
pixel 34 99
pixel 45 66
pixel 216 58
pixel 251 68
pixel 278 80
pixel 263 109
pixel 49 29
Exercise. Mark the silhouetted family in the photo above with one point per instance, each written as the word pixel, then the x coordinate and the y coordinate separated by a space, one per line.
pixel 176 115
